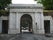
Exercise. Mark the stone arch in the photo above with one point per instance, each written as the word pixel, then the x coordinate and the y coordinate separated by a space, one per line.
pixel 26 22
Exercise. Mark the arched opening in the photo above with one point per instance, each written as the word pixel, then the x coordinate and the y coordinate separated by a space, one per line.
pixel 26 23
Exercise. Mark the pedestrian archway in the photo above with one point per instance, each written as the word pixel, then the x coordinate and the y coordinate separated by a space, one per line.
pixel 26 23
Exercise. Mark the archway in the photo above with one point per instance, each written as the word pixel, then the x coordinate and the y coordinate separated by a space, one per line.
pixel 26 23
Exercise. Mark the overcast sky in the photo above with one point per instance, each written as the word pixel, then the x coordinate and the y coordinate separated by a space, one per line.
pixel 23 2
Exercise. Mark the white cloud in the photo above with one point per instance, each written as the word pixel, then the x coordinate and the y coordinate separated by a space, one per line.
pixel 23 2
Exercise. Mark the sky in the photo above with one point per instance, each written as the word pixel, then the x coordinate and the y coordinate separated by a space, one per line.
pixel 23 2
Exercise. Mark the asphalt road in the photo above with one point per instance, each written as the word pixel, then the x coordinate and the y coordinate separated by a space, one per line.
pixel 24 36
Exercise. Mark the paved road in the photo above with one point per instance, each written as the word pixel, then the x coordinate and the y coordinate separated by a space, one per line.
pixel 24 36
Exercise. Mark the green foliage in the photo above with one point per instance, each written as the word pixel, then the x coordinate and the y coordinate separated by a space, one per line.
pixel 4 13
pixel 48 4
pixel 4 3
pixel 35 0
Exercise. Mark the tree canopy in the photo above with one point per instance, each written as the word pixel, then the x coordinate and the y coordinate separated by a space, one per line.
pixel 48 4
pixel 4 3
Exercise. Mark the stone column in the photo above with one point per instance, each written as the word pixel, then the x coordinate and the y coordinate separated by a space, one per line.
pixel 0 25
pixel 12 23
pixel 33 23
pixel 39 23
pixel 41 31
pixel 51 24
pixel 17 23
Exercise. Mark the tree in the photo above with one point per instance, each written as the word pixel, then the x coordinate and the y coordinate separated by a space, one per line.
pixel 4 4
pixel 48 4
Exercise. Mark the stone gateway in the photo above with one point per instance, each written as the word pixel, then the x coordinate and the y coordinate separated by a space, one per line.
pixel 26 16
